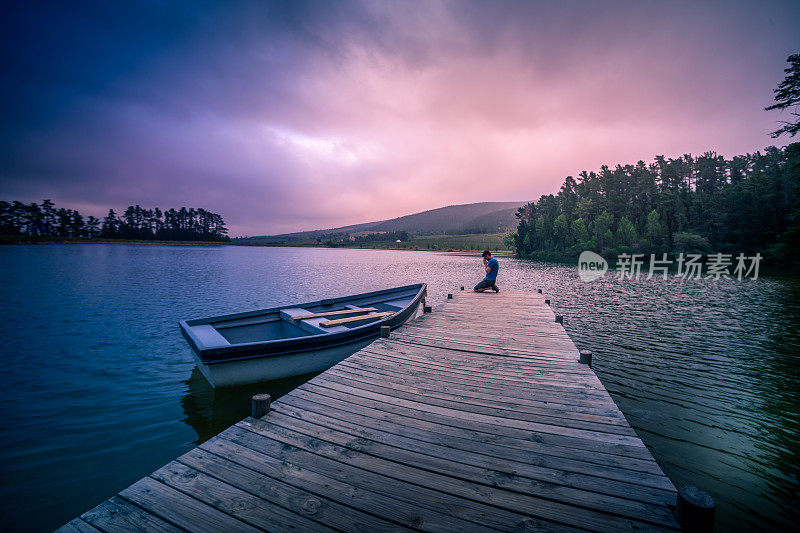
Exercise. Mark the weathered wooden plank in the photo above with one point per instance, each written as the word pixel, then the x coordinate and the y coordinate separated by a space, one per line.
pixel 536 350
pixel 462 438
pixel 481 363
pixel 76 526
pixel 448 397
pixel 324 500
pixel 233 501
pixel 585 441
pixel 423 488
pixel 607 456
pixel 539 382
pixel 541 388
pixel 542 328
pixel 115 514
pixel 533 384
pixel 489 348
pixel 484 386
pixel 469 412
pixel 595 492
pixel 484 361
pixel 575 444
pixel 484 481
pixel 489 357
pixel 179 509
pixel 466 394
pixel 360 489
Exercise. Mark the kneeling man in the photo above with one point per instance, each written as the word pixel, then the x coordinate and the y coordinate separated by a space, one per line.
pixel 491 266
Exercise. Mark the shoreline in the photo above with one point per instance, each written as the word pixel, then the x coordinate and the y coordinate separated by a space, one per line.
pixel 255 245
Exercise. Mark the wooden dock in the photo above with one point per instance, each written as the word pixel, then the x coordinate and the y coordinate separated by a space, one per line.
pixel 475 417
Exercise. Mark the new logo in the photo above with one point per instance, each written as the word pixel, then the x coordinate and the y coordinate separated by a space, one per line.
pixel 591 266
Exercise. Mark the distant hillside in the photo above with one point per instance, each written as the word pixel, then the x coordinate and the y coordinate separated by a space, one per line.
pixel 501 221
pixel 483 217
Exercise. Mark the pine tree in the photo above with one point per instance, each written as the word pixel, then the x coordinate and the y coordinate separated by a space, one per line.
pixel 787 96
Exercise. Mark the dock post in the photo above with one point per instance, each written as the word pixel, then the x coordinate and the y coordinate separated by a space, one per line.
pixel 547 302
pixel 586 358
pixel 261 405
pixel 462 287
pixel 385 331
pixel 449 296
pixel 559 319
pixel 695 509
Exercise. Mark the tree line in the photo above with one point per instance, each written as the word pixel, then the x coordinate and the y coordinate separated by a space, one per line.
pixel 391 236
pixel 706 203
pixel 343 238
pixel 46 221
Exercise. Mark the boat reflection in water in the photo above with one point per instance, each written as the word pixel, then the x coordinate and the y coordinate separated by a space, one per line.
pixel 210 411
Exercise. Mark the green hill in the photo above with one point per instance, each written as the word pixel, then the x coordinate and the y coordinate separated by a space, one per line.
pixel 501 221
pixel 483 217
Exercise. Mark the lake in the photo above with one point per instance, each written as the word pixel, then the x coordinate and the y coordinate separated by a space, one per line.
pixel 100 389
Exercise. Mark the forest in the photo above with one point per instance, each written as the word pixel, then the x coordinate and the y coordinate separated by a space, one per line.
pixel 20 222
pixel 382 236
pixel 706 203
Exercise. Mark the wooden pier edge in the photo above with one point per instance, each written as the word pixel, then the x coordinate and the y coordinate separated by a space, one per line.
pixel 477 416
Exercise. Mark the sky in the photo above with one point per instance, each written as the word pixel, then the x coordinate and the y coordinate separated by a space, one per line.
pixel 287 116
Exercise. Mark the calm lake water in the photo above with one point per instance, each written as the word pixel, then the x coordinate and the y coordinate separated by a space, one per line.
pixel 100 389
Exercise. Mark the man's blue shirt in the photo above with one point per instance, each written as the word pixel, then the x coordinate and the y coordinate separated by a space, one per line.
pixel 494 266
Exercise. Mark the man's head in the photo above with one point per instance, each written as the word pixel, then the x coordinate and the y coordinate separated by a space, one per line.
pixel 487 254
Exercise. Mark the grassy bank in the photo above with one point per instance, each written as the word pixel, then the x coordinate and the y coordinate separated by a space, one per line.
pixel 465 243
pixel 446 243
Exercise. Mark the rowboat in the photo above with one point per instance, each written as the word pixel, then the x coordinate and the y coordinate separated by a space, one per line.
pixel 281 342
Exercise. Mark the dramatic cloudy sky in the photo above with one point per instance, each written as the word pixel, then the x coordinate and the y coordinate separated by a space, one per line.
pixel 298 115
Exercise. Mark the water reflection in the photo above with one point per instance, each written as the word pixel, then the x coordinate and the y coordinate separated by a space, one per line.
pixel 776 450
pixel 209 411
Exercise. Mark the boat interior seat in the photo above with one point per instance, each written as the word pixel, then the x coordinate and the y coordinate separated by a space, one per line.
pixel 209 336
pixel 310 324
pixel 399 304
